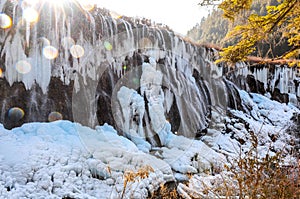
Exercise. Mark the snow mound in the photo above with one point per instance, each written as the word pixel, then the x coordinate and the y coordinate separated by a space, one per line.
pixel 65 159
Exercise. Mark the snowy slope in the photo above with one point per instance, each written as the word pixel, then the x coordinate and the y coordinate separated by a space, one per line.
pixel 64 159
pixel 268 120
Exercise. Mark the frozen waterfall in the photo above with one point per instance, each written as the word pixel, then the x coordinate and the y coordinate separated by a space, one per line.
pixel 94 68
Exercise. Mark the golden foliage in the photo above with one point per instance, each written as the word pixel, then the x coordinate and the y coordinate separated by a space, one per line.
pixel 284 18
pixel 131 176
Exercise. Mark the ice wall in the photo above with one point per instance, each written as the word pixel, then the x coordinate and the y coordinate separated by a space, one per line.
pixel 97 54
pixel 94 68
pixel 281 79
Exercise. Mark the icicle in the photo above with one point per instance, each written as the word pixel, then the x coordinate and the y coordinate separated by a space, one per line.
pixel 2 3
pixel 27 33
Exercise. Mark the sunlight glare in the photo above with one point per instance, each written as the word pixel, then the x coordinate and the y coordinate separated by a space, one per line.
pixel 30 15
pixel 50 52
pixel 15 114
pixel 57 3
pixel 43 41
pixel 108 46
pixel 77 51
pixel 54 116
pixel 5 21
pixel 23 67
pixel 86 5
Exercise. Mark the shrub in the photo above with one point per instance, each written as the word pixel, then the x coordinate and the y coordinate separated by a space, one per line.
pixel 252 176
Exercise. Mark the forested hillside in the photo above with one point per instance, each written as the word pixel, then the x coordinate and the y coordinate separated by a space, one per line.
pixel 214 28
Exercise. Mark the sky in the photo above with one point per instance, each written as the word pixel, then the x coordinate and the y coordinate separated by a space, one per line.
pixel 180 15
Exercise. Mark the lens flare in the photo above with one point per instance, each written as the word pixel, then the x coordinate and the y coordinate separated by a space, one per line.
pixel 1 73
pixel 30 15
pixel 54 116
pixel 50 52
pixel 15 114
pixel 108 45
pixel 124 67
pixel 77 51
pixel 23 67
pixel 5 21
pixel 136 81
pixel 67 42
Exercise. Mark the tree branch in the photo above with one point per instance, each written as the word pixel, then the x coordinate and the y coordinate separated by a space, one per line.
pixel 282 16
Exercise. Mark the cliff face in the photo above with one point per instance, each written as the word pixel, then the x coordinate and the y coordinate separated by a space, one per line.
pixel 92 68
pixel 281 82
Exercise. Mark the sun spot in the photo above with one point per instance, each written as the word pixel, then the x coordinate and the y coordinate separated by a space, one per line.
pixel 50 52
pixel 30 15
pixel 54 116
pixel 15 114
pixel 23 67
pixel 5 21
pixel 108 46
pixel 77 51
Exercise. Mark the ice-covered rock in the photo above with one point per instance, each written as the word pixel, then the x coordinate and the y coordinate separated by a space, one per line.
pixel 64 159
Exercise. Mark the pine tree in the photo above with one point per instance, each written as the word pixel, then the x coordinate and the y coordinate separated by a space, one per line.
pixel 283 18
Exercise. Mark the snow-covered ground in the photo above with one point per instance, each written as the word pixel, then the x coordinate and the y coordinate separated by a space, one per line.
pixel 267 120
pixel 63 159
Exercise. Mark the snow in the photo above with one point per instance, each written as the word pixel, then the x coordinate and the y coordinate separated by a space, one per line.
pixel 132 105
pixel 267 119
pixel 107 48
pixel 61 159
pixel 65 159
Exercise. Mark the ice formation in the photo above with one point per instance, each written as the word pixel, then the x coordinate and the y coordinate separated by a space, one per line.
pixel 94 54
pixel 63 159
pixel 165 97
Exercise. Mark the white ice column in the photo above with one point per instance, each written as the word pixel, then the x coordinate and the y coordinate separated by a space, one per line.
pixel 151 87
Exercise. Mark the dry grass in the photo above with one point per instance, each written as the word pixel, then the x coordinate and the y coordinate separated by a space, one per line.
pixel 166 191
pixel 254 177
pixel 250 176
pixel 131 176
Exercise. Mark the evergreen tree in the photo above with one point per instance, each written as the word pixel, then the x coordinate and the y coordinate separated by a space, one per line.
pixel 275 23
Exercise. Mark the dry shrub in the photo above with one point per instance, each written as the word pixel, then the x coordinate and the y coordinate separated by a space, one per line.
pixel 252 176
pixel 166 192
pixel 131 176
